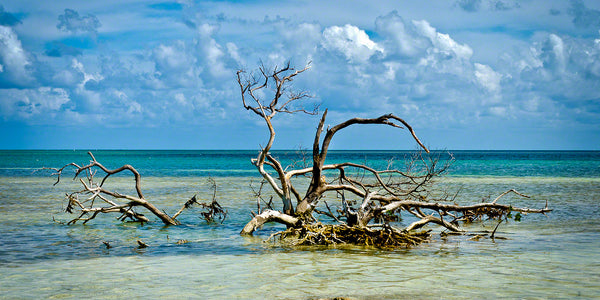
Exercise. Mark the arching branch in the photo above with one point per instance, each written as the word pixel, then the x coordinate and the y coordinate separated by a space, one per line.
pixel 95 191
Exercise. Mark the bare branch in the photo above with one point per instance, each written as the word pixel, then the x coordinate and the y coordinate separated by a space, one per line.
pixel 509 191
pixel 268 216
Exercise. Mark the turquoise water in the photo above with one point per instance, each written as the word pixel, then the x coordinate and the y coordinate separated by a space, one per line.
pixel 554 256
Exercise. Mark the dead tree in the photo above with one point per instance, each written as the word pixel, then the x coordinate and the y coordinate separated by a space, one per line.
pixel 267 93
pixel 94 198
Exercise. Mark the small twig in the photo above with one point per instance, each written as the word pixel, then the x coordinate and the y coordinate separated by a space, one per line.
pixel 494 232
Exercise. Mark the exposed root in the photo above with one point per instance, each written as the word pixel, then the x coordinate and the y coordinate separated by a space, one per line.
pixel 333 234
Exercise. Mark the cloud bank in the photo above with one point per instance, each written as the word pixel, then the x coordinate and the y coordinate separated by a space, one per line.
pixel 182 73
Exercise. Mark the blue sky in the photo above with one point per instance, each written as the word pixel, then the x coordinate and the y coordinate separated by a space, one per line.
pixel 467 74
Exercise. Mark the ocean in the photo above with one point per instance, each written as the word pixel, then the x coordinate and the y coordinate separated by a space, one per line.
pixel 542 256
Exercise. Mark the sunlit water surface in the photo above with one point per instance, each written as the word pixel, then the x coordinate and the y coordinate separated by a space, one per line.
pixel 553 256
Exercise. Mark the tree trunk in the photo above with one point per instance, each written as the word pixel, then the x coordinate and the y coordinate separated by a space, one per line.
pixel 269 216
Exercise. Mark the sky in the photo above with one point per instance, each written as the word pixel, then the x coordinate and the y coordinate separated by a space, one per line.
pixel 466 74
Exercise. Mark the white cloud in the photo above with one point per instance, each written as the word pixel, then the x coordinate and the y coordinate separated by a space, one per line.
pixel 418 43
pixel 564 59
pixel 553 53
pixel 487 77
pixel 300 41
pixel 442 42
pixel 85 100
pixel 351 41
pixel 212 51
pixel 78 66
pixel 132 107
pixel 13 57
pixel 444 54
pixel 304 33
pixel 430 69
pixel 233 51
pixel 35 105
pixel 172 57
pixel 176 66
pixel 401 37
pixel 180 99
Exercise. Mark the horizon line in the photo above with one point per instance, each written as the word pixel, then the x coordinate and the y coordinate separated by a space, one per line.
pixel 292 149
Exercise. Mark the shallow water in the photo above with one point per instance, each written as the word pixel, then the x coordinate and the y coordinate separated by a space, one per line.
pixel 554 256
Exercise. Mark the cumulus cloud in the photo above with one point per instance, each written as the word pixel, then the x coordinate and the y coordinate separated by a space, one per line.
pixel 420 68
pixel 176 66
pixel 171 57
pixel 13 59
pixel 159 86
pixel 487 77
pixel 32 103
pixel 560 58
pixel 416 66
pixel 132 106
pixel 405 66
pixel 350 41
pixel 553 53
pixel 401 38
pixel 155 86
pixel 301 40
pixel 419 42
pixel 443 43
pixel 212 51
pixel 85 100
pixel 558 78
pixel 72 22
pixel 216 60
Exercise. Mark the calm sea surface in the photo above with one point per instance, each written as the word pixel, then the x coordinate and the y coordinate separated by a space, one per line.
pixel 554 256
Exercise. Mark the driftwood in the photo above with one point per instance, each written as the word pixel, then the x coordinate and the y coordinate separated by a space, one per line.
pixel 95 199
pixel 213 211
pixel 377 193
